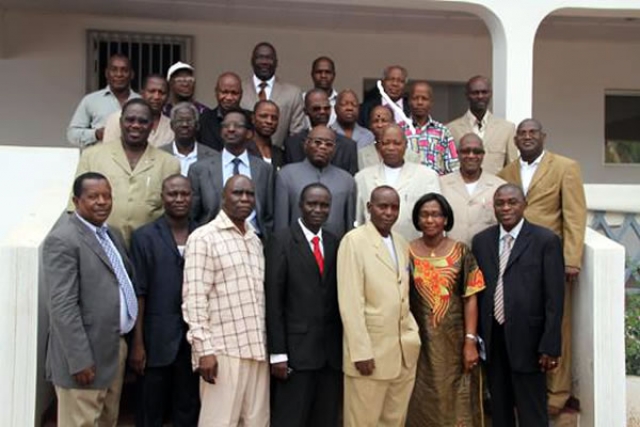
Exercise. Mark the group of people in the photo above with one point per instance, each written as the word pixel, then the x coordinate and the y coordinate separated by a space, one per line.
pixel 295 259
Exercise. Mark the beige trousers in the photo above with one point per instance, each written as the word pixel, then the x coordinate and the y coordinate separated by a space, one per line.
pixel 559 380
pixel 378 403
pixel 92 408
pixel 240 396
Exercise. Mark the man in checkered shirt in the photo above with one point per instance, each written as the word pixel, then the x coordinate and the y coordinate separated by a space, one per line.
pixel 223 304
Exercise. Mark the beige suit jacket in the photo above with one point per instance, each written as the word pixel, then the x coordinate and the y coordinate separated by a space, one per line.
pixel 288 98
pixel 498 140
pixel 373 294
pixel 136 193
pixel 556 200
pixel 471 213
pixel 415 180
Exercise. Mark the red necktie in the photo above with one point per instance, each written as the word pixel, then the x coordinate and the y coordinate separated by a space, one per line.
pixel 318 253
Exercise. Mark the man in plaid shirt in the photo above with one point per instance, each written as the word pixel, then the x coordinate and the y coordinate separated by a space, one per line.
pixel 224 306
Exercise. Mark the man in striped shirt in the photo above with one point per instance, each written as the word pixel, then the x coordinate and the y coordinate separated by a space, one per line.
pixel 224 306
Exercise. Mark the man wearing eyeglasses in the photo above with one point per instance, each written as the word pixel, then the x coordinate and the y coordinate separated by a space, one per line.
pixel 134 168
pixel 208 176
pixel 319 148
pixel 182 87
pixel 470 190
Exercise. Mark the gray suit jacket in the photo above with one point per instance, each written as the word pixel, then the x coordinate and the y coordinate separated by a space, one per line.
pixel 206 182
pixel 84 304
pixel 289 100
pixel 203 150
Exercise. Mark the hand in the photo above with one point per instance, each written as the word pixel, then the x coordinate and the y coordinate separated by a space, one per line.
pixel 547 363
pixel 138 358
pixel 86 376
pixel 470 355
pixel 366 367
pixel 571 274
pixel 280 370
pixel 208 367
pixel 99 134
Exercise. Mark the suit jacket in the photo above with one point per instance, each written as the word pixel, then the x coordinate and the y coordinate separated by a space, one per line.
pixel 136 193
pixel 207 185
pixel 209 132
pixel 159 266
pixel 303 320
pixel 292 179
pixel 473 213
pixel 203 150
pixel 533 284
pixel 499 144
pixel 374 304
pixel 556 200
pixel 345 156
pixel 84 304
pixel 368 156
pixel 288 98
pixel 415 180
pixel 372 99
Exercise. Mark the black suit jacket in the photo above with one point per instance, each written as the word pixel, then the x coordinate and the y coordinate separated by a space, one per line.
pixel 345 156
pixel 209 132
pixel 159 266
pixel 303 319
pixel 206 182
pixel 372 99
pixel 533 293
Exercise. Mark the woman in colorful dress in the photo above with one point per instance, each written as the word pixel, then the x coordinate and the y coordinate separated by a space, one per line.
pixel 446 279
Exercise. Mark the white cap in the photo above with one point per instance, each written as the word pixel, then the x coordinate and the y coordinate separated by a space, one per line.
pixel 177 67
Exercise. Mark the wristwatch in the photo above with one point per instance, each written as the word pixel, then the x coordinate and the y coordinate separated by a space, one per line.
pixel 471 337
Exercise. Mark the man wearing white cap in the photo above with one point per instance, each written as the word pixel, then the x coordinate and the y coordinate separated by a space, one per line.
pixel 182 87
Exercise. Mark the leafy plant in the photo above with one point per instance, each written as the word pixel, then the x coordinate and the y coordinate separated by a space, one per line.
pixel 632 333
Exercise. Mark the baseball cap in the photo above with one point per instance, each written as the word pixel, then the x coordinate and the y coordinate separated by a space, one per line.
pixel 178 66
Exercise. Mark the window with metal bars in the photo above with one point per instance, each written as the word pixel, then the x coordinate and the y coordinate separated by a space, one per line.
pixel 148 53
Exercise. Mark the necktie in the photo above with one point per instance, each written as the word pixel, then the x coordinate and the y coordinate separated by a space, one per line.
pixel 262 95
pixel 498 298
pixel 318 253
pixel 479 124
pixel 123 278
pixel 236 165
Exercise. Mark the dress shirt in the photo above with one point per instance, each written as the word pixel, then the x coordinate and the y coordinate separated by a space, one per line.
pixel 434 146
pixel 514 233
pixel 527 170
pixel 268 88
pixel 161 135
pixel 223 292
pixel 92 114
pixel 188 160
pixel 388 241
pixel 124 316
pixel 473 122
pixel 362 136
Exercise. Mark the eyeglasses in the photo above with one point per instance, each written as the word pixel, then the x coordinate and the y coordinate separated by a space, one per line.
pixel 319 142
pixel 184 80
pixel 432 215
pixel 184 121
pixel 476 151
pixel 236 125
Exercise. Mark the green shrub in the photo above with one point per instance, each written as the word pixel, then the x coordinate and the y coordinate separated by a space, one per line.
pixel 632 333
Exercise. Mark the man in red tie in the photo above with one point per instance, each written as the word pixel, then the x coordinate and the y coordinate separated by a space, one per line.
pixel 303 320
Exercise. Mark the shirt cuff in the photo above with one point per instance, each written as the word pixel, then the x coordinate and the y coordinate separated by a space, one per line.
pixel 278 358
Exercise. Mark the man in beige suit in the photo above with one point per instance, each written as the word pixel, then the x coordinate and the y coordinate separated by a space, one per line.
pixel 555 199
pixel 410 180
pixel 470 190
pixel 134 168
pixel 381 342
pixel 264 85
pixel 496 133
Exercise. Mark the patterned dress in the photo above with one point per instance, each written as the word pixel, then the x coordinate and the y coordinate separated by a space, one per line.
pixel 444 396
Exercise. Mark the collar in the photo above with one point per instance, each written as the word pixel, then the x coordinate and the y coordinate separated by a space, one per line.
pixel 90 226
pixel 308 234
pixel 515 231
pixel 227 157
pixel 333 96
pixel 223 222
pixel 536 162
pixel 257 81
pixel 430 122
pixel 473 119
pixel 192 154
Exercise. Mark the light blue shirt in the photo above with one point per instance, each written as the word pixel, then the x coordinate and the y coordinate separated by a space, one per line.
pixel 514 234
pixel 244 169
pixel 124 317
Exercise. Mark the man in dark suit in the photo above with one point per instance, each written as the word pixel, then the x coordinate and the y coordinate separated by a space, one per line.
pixel 160 354
pixel 393 82
pixel 318 109
pixel 208 176
pixel 228 95
pixel 303 320
pixel 92 305
pixel 520 311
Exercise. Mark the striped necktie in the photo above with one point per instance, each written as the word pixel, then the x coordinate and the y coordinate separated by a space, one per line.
pixel 498 298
